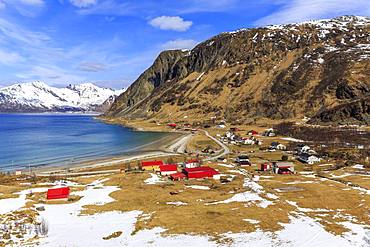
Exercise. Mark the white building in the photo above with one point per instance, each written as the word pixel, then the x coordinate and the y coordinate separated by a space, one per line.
pixel 308 158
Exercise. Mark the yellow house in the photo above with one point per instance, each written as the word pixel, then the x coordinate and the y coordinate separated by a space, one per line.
pixel 151 165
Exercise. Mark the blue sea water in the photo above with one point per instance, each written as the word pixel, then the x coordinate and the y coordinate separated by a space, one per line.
pixel 39 140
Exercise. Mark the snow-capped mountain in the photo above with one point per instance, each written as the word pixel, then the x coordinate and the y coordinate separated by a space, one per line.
pixel 39 97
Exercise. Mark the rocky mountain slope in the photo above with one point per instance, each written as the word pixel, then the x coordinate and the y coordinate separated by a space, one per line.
pixel 318 69
pixel 39 97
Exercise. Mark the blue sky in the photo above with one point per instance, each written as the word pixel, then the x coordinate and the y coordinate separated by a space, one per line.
pixel 110 42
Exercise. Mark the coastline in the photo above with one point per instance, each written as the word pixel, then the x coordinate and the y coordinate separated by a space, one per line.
pixel 159 148
pixel 171 143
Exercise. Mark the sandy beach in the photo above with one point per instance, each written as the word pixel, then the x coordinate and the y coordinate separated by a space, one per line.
pixel 171 144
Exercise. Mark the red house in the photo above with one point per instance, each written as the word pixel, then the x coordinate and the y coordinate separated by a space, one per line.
pixel 58 194
pixel 177 176
pixel 200 172
pixel 168 169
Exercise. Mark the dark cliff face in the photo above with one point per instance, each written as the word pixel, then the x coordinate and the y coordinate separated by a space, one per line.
pixel 161 71
pixel 276 72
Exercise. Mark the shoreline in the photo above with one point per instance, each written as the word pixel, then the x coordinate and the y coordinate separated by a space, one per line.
pixel 159 148
pixel 172 143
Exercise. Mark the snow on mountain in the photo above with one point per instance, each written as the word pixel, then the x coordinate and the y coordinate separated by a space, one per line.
pixel 39 97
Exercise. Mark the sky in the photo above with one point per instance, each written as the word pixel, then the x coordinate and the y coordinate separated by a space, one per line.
pixel 111 42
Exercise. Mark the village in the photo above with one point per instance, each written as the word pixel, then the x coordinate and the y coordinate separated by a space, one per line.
pixel 249 176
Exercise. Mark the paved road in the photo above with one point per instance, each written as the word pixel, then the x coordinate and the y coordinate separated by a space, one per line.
pixel 226 150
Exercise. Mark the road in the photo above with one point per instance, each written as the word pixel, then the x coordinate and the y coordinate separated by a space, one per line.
pixel 226 150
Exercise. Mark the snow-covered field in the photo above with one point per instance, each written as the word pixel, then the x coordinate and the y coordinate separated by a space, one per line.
pixel 68 227
pixel 13 204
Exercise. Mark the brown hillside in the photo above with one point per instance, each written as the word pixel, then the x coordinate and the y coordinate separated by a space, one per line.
pixel 318 69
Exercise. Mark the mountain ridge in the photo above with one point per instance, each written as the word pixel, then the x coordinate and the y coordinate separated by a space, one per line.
pixel 37 96
pixel 277 72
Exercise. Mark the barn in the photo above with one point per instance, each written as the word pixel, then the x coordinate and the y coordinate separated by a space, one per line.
pixel 58 194
pixel 152 165
pixel 168 169
pixel 200 172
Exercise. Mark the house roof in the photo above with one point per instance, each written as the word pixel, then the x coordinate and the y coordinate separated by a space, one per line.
pixel 192 161
pixel 306 155
pixel 168 168
pixel 284 164
pixel 201 169
pixel 152 163
pixel 178 175
pixel 243 157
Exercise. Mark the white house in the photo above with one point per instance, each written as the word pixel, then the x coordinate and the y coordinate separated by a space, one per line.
pixel 281 147
pixel 249 142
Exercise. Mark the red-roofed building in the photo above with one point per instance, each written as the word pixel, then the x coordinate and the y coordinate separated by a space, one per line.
pixel 252 133
pixel 58 194
pixel 177 176
pixel 151 165
pixel 172 125
pixel 200 172
pixel 168 169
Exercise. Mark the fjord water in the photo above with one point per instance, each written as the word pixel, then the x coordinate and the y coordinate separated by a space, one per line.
pixel 40 140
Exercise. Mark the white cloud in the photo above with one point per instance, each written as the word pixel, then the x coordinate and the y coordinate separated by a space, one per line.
pixel 84 3
pixel 290 11
pixel 174 23
pixel 179 44
pixel 51 74
pixel 10 58
pixel 18 33
pixel 92 66
pixel 109 7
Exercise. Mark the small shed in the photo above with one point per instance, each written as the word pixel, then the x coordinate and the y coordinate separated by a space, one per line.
pixel 168 169
pixel 58 193
pixel 151 165
pixel 266 167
